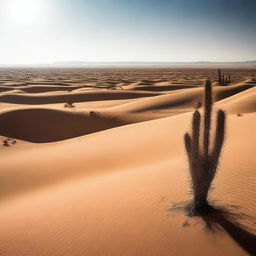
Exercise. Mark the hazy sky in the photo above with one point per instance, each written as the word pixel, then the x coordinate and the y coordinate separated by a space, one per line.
pixel 45 31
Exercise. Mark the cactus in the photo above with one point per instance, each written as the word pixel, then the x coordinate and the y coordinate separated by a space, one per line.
pixel 223 80
pixel 219 74
pixel 203 161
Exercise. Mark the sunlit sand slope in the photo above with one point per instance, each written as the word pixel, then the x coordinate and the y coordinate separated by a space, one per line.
pixel 102 177
pixel 103 195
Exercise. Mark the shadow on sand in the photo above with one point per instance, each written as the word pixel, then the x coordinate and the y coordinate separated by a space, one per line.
pixel 220 219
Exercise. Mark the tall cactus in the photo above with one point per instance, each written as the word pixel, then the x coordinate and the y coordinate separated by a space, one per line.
pixel 203 160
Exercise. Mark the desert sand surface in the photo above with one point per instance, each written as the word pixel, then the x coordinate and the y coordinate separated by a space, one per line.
pixel 92 163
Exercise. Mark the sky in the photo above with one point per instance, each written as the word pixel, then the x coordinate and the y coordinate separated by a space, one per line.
pixel 48 31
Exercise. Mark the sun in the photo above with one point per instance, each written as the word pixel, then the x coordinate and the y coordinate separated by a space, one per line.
pixel 23 12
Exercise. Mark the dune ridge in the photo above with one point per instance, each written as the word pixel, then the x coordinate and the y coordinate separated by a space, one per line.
pixel 49 125
pixel 72 97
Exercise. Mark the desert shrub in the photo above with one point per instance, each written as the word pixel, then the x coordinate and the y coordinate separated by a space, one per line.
pixel 6 143
pixel 115 87
pixel 69 105
pixel 93 114
pixel 203 161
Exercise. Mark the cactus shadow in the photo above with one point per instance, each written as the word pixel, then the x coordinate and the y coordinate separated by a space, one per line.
pixel 220 219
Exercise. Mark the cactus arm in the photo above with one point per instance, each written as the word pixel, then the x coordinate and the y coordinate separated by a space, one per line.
pixel 207 117
pixel 191 159
pixel 219 138
pixel 195 137
pixel 187 141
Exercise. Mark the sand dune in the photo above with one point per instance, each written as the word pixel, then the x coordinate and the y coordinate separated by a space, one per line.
pixel 46 125
pixel 72 97
pixel 244 102
pixel 100 178
pixel 5 89
pixel 47 88
pixel 147 176
pixel 184 99
pixel 227 91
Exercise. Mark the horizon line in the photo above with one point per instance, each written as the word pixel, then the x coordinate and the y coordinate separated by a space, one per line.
pixel 83 63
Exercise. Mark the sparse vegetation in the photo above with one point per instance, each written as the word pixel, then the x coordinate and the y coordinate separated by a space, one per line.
pixel 93 114
pixel 203 161
pixel 115 87
pixel 223 79
pixel 8 142
pixel 69 105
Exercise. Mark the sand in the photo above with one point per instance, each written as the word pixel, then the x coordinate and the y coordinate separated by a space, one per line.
pixel 102 178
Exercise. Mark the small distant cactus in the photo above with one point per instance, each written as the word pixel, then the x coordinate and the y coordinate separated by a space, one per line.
pixel 203 162
pixel 219 74
pixel 223 80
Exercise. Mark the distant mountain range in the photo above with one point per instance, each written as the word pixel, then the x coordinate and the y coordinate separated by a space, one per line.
pixel 194 63
pixel 138 64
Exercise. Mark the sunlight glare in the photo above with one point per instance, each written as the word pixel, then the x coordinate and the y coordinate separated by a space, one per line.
pixel 22 12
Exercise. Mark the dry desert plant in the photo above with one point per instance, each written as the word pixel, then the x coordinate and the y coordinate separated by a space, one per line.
pixel 8 142
pixel 69 105
pixel 115 87
pixel 203 161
